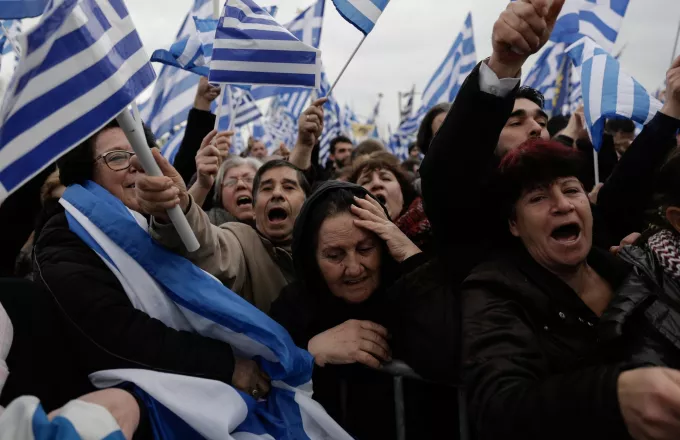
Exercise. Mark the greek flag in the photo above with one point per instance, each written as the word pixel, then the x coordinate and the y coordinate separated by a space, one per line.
pixel 332 120
pixel 306 27
pixel 174 91
pixel 25 418
pixel 9 33
pixel 187 54
pixel 238 145
pixel 361 13
pixel 271 10
pixel 238 109
pixel 171 147
pixel 171 289
pixel 545 73
pixel 21 8
pixel 443 87
pixel 608 92
pixel 252 48
pixel 81 66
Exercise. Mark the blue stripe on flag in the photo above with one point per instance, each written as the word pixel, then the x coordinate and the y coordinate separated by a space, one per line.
pixel 64 139
pixel 245 77
pixel 36 39
pixel 166 425
pixel 69 91
pixel 238 13
pixel 592 18
pixel 266 56
pixel 254 6
pixel 230 33
pixel 642 100
pixel 351 14
pixel 610 83
pixel 119 7
pixel 585 87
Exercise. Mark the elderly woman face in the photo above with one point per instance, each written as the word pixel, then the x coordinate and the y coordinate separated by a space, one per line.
pixel 112 169
pixel 348 258
pixel 555 224
pixel 237 192
pixel 384 186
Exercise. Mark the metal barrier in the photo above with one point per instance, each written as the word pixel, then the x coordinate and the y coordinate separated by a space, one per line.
pixel 400 370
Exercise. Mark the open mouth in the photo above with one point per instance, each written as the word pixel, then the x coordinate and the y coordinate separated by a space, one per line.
pixel 355 282
pixel 566 233
pixel 277 215
pixel 381 198
pixel 244 200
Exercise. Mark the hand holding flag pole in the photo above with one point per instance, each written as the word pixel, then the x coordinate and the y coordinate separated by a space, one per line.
pixel 132 126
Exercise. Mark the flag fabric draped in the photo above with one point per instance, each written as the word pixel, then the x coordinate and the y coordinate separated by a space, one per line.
pixel 272 10
pixel 252 48
pixel 170 288
pixel 306 27
pixel 597 19
pixel 608 92
pixel 186 54
pixel 442 87
pixel 81 66
pixel 174 91
pixel 22 8
pixel 363 14
pixel 26 418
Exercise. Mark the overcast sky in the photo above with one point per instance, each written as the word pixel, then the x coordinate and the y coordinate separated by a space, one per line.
pixel 413 36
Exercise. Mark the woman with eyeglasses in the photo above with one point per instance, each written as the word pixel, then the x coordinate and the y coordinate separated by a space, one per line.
pixel 103 328
pixel 233 182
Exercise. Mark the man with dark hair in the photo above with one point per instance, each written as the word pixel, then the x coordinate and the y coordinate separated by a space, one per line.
pixel 255 263
pixel 340 153
pixel 623 132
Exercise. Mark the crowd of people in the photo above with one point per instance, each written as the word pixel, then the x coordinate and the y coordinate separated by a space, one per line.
pixel 497 265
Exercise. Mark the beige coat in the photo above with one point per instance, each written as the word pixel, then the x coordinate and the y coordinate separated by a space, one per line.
pixel 234 253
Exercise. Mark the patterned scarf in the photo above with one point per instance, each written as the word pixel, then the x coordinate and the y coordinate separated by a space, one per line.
pixel 666 247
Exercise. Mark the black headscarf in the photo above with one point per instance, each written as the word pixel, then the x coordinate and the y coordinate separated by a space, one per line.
pixel 323 309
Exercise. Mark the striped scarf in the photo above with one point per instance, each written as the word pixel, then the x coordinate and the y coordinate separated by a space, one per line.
pixel 666 247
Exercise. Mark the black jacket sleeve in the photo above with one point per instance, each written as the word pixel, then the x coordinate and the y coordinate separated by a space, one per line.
pixel 456 167
pixel 510 389
pixel 628 192
pixel 199 124
pixel 426 321
pixel 95 303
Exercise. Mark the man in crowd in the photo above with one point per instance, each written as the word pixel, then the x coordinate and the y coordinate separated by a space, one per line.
pixel 493 115
pixel 340 153
pixel 258 150
pixel 255 263
pixel 623 132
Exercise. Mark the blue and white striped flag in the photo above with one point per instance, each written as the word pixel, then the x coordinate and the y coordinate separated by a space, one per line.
pixel 82 65
pixel 252 48
pixel 361 13
pixel 25 418
pixel 306 27
pixel 175 89
pixel 272 10
pixel 597 19
pixel 9 40
pixel 171 147
pixel 186 54
pixel 238 109
pixel 171 289
pixel 608 92
pixel 443 87
pixel 332 120
pixel 13 9
pixel 238 145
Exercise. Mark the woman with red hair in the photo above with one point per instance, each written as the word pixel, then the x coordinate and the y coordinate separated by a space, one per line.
pixel 535 365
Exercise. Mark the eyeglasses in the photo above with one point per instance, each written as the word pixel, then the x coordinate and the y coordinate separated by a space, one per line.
pixel 248 180
pixel 116 160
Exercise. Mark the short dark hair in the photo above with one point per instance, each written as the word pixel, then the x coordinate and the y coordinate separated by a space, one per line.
pixel 425 134
pixel 280 163
pixel 557 123
pixel 77 165
pixel 409 163
pixel 535 163
pixel 376 163
pixel 339 140
pixel 367 147
pixel 412 146
pixel 667 190
pixel 532 95
pixel 620 125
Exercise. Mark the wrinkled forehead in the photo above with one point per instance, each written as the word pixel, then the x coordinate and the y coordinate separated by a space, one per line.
pixel 240 170
pixel 109 140
pixel 279 175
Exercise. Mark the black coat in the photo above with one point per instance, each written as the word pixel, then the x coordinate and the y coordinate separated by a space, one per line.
pixel 414 306
pixel 105 329
pixel 458 180
pixel 534 367
pixel 643 321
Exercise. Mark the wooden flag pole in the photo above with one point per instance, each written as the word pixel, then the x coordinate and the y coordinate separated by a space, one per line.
pixel 347 64
pixel 131 124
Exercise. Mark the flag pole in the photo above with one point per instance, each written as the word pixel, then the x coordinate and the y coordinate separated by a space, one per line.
pixel 596 165
pixel 347 64
pixel 132 126
pixel 675 46
pixel 218 113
